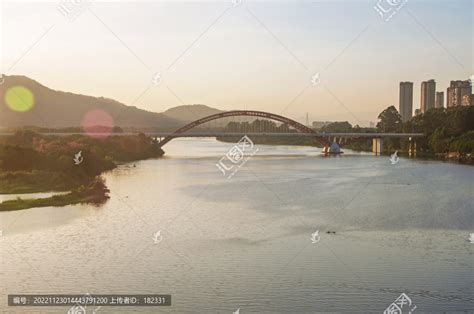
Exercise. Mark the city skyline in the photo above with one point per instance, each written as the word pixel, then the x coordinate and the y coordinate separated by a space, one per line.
pixel 459 93
pixel 355 55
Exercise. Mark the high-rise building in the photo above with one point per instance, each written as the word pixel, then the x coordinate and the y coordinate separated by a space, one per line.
pixel 428 91
pixel 406 100
pixel 439 100
pixel 456 92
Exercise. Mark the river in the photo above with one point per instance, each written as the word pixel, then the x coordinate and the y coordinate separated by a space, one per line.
pixel 246 241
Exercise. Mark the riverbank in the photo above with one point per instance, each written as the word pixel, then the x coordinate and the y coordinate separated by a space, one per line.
pixel 31 163
pixel 95 193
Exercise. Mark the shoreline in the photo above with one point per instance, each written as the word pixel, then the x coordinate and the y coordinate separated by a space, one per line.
pixel 451 157
pixel 95 193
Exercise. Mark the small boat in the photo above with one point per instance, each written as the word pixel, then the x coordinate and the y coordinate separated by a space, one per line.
pixel 334 149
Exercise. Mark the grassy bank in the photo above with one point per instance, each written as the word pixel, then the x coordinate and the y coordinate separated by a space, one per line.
pixel 95 193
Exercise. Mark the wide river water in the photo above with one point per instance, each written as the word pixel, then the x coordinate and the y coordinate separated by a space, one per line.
pixel 245 241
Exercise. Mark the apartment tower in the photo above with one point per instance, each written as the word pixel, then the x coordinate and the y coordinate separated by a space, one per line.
pixel 428 92
pixel 457 91
pixel 439 100
pixel 406 100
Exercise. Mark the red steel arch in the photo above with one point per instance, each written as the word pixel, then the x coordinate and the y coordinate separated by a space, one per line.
pixel 249 113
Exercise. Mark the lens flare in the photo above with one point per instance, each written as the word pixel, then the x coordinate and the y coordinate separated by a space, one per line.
pixel 97 123
pixel 19 99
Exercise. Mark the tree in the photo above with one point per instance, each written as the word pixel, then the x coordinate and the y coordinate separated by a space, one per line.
pixel 17 158
pixel 463 144
pixel 390 120
pixel 459 120
pixel 433 119
pixel 338 127
pixel 438 141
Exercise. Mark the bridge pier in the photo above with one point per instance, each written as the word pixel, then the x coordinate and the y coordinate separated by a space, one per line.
pixel 411 147
pixel 377 145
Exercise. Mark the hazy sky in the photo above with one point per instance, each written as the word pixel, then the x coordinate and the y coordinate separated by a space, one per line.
pixel 256 55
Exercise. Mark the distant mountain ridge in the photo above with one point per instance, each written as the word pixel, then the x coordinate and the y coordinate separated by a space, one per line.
pixel 190 112
pixel 58 109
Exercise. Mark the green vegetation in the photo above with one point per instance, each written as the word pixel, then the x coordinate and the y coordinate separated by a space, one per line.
pixel 447 130
pixel 31 163
pixel 390 121
pixel 95 193
pixel 16 182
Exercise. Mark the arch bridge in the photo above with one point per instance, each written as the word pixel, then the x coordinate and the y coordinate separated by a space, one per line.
pixel 322 138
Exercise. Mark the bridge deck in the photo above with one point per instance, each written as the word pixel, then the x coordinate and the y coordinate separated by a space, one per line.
pixel 240 134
